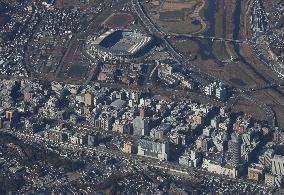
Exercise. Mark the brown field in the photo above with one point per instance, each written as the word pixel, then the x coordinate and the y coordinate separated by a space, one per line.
pixel 74 57
pixel 274 100
pixel 175 27
pixel 187 47
pixel 178 16
pixel 178 5
pixel 245 106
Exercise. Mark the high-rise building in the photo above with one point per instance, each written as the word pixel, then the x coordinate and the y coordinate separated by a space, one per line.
pixel 278 165
pixel 154 149
pixel 221 92
pixel 92 139
pixel 274 180
pixel 209 90
pixel 89 100
pixel 235 149
pixel 129 148
pixel 142 112
pixel 141 126
pixel 255 172
pixel 197 119
pixel 10 115
pixel 165 69
pixel 278 136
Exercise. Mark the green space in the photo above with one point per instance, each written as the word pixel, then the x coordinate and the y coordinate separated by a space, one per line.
pixel 77 70
pixel 219 47
pixel 220 51
pixel 172 15
pixel 119 20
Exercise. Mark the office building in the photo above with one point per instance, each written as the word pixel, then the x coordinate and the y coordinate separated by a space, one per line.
pixel 154 149
pixel 141 126
pixel 235 149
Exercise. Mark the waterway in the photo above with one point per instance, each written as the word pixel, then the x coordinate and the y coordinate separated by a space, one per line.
pixel 236 36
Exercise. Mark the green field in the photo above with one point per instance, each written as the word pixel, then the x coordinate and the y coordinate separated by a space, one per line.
pixel 118 20
pixel 77 71
pixel 220 51
pixel 219 48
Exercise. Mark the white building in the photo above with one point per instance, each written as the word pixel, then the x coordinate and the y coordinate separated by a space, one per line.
pixel 217 168
pixel 273 180
pixel 140 126
pixel 154 149
pixel 278 165
pixel 191 158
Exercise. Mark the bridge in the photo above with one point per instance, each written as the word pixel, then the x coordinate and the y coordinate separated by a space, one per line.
pixel 264 86
pixel 206 37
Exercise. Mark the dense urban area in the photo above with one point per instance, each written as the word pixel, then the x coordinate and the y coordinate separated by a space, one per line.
pixel 141 97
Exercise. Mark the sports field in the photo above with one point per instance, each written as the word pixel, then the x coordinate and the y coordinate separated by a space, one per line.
pixel 77 71
pixel 118 20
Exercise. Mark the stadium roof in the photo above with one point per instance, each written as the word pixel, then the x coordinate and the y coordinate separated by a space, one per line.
pixel 121 42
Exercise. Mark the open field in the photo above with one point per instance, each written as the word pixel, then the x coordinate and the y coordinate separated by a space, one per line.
pixel 171 5
pixel 274 100
pixel 178 16
pixel 234 72
pixel 118 20
pixel 77 70
pixel 186 47
pixel 219 47
pixel 220 50
pixel 75 65
pixel 245 106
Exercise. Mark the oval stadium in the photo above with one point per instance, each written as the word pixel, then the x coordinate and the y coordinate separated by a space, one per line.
pixel 121 43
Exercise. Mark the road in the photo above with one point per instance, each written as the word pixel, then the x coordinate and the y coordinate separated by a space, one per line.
pixel 199 76
pixel 196 74
pixel 141 161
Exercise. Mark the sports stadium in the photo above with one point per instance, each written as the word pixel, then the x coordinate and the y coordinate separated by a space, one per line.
pixel 121 43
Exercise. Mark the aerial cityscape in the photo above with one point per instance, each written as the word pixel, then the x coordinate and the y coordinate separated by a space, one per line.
pixel 142 97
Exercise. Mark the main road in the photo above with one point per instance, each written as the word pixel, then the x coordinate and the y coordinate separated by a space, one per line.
pixel 141 161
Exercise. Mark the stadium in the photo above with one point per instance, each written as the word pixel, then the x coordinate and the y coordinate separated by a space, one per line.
pixel 121 43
